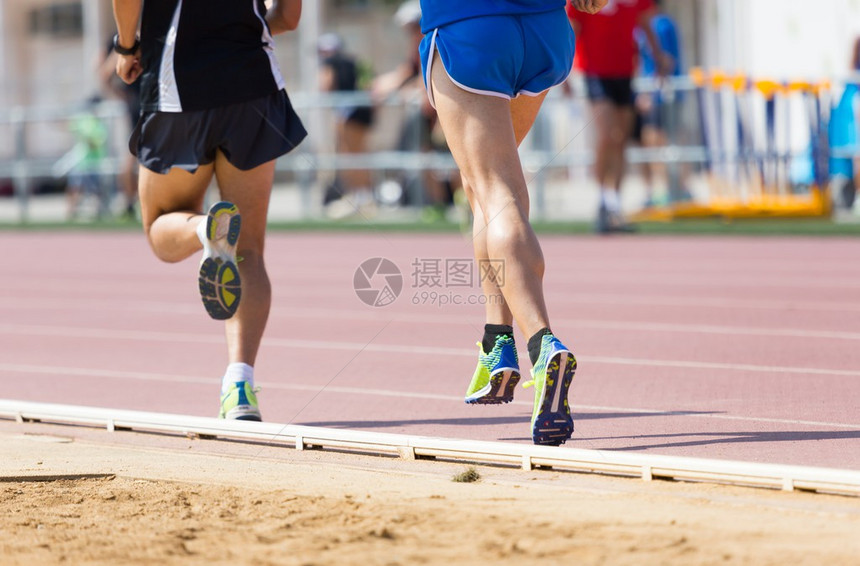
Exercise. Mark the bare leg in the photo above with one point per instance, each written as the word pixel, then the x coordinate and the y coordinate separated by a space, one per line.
pixel 497 309
pixel 523 113
pixel 250 192
pixel 352 139
pixel 128 182
pixel 624 119
pixel 614 125
pixel 603 117
pixel 481 134
pixel 171 207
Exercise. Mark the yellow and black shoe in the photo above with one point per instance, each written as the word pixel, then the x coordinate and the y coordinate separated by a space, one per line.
pixel 219 281
pixel 552 376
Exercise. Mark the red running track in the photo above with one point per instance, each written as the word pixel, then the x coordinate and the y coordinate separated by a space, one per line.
pixel 737 348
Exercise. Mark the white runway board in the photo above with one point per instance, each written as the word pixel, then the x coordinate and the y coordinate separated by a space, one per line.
pixel 645 466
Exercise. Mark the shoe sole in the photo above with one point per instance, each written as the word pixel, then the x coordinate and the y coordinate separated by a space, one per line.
pixel 553 425
pixel 243 413
pixel 498 391
pixel 218 280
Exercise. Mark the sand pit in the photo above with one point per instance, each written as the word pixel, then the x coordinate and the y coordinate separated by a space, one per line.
pixel 182 503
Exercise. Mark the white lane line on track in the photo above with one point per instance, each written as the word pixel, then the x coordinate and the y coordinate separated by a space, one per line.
pixel 173 337
pixel 61 371
pixel 596 278
pixel 616 299
pixel 618 325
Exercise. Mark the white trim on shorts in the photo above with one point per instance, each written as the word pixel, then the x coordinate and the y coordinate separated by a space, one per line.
pixel 429 85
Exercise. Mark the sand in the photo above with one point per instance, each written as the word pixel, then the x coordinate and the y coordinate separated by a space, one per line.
pixel 123 498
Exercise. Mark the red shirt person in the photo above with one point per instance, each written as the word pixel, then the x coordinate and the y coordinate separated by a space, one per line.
pixel 606 54
pixel 613 26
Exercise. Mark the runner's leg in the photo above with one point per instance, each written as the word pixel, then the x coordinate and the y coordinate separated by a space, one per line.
pixel 250 192
pixel 523 113
pixel 481 134
pixel 171 208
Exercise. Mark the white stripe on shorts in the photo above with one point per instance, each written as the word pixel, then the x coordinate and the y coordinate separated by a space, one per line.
pixel 430 57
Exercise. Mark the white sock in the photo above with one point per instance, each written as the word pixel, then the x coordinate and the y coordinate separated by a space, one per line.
pixel 201 234
pixel 237 372
pixel 610 200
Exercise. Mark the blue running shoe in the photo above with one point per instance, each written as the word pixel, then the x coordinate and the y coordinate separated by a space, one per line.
pixel 551 378
pixel 219 282
pixel 497 374
pixel 240 403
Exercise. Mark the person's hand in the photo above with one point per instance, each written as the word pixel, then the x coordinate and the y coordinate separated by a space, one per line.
pixel 128 67
pixel 589 6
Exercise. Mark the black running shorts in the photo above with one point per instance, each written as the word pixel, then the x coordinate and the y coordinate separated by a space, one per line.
pixel 618 91
pixel 247 133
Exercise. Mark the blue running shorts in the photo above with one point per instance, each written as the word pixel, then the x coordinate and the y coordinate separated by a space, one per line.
pixel 503 56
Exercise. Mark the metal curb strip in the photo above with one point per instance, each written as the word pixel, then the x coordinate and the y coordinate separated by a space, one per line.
pixel 645 466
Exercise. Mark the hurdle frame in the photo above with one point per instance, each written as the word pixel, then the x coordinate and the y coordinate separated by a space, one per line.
pixel 767 193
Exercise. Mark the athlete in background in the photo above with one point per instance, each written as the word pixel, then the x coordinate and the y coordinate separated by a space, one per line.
pixel 606 55
pixel 213 104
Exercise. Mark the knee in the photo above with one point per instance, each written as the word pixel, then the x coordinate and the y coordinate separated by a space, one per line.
pixel 161 252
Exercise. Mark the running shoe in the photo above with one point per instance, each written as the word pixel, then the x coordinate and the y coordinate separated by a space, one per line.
pixel 551 378
pixel 609 222
pixel 240 403
pixel 497 374
pixel 219 282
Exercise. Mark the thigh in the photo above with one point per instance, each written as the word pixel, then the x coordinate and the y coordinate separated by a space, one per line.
pixel 524 111
pixel 177 190
pixel 354 136
pixel 603 118
pixel 250 190
pixel 480 134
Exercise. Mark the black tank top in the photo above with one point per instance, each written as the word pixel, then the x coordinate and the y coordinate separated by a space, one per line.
pixel 202 54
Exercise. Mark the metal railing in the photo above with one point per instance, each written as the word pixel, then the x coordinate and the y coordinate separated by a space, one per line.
pixel 545 152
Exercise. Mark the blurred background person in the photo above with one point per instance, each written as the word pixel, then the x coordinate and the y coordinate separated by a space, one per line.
pixel 351 190
pixel 86 157
pixel 844 137
pixel 606 54
pixel 406 76
pixel 129 95
pixel 435 190
pixel 658 111
pixel 850 196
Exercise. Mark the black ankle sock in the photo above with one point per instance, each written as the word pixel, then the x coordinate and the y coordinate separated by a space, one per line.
pixel 491 331
pixel 535 342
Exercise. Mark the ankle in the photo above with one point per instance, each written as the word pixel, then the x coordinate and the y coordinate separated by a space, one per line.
pixel 237 372
pixel 492 332
pixel 535 343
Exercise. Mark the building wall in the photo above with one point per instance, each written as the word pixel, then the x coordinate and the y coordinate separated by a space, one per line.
pixel 780 39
